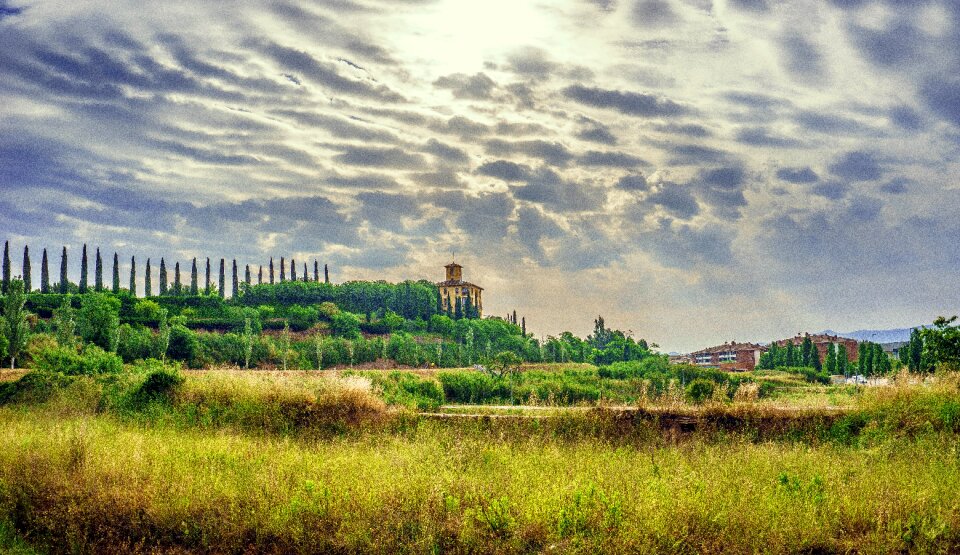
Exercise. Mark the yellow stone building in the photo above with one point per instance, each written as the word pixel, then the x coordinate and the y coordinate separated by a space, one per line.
pixel 454 287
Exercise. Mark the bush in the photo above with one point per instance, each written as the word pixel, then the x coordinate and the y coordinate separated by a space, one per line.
pixel 406 389
pixel 183 344
pixel 99 320
pixel 160 384
pixel 302 317
pixel 699 390
pixel 345 325
pixel 66 360
pixel 135 343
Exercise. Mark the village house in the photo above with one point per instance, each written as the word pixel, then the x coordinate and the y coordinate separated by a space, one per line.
pixel 454 287
pixel 822 343
pixel 732 356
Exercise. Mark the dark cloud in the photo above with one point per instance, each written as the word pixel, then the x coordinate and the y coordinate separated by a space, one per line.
pixel 941 94
pixel 462 126
pixel 445 152
pixel 532 227
pixel 597 134
pixel 864 209
pixel 831 124
pixel 687 129
pixel 684 246
pixel 552 153
pixel 610 159
pixel 857 166
pixel 384 157
pixel 387 210
pixel 751 5
pixel 906 118
pixel 340 127
pixel 761 136
pixel 653 13
pixel 756 100
pixel 833 190
pixel 548 188
pixel 506 170
pixel 896 186
pixel 7 10
pixel 802 58
pixel 694 154
pixel 722 189
pixel 476 87
pixel 676 199
pixel 634 104
pixel 486 216
pixel 798 175
pixel 891 46
pixel 633 182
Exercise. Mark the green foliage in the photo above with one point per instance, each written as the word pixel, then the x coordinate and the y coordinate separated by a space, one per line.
pixel 345 324
pixel 160 384
pixel 14 326
pixel 942 342
pixel 302 318
pixel 135 343
pixel 67 360
pixel 183 344
pixel 406 389
pixel 99 320
pixel 65 323
pixel 699 390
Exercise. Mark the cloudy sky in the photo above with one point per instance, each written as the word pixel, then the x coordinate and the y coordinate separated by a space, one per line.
pixel 695 170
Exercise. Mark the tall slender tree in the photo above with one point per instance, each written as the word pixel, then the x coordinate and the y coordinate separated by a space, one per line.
pixel 260 276
pixel 6 266
pixel 842 359
pixel 326 274
pixel 163 276
pixel 306 275
pixel 64 282
pixel 236 282
pixel 293 270
pixel 116 273
pixel 862 359
pixel 271 270
pixel 177 287
pixel 223 279
pixel 147 280
pixel 14 325
pixel 246 276
pixel 807 351
pixel 98 273
pixel 316 271
pixel 523 325
pixel 194 288
pixel 83 270
pixel 916 351
pixel 44 274
pixel 133 276
pixel 283 270
pixel 27 277
pixel 206 286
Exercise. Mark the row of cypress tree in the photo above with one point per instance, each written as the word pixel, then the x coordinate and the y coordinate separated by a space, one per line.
pixel 165 287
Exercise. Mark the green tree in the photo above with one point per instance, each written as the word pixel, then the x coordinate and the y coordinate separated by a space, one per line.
pixel 6 267
pixel 236 282
pixel 83 270
pixel 27 281
pixel 271 270
pixel 163 276
pixel 194 287
pixel 177 286
pixel 916 351
pixel 44 274
pixel 14 326
pixel 831 362
pixel 133 276
pixel 64 283
pixel 163 335
pixel 316 271
pixel 65 323
pixel 98 273
pixel 260 276
pixel 326 274
pixel 285 344
pixel 246 275
pixel 293 270
pixel 247 338
pixel 283 270
pixel 207 284
pixel 147 281
pixel 99 320
pixel 862 358
pixel 116 273
pixel 842 359
pixel 223 279
pixel 807 352
pixel 942 343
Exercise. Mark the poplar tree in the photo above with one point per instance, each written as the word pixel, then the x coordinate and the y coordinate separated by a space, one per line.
pixel 915 350
pixel 831 366
pixel 6 267
pixel 326 274
pixel 271 270
pixel 246 275
pixel 163 277
pixel 116 273
pixel 64 284
pixel 194 286
pixel 293 270
pixel 206 285
pixel 283 270
pixel 98 273
pixel 133 276
pixel 14 325
pixel 236 282
pixel 306 275
pixel 177 288
pixel 27 280
pixel 260 276
pixel 223 279
pixel 316 271
pixel 806 350
pixel 842 359
pixel 147 281
pixel 83 270
pixel 44 274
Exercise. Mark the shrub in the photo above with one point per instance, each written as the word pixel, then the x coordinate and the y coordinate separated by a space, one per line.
pixel 345 324
pixel 99 320
pixel 66 360
pixel 699 390
pixel 160 384
pixel 406 389
pixel 302 317
pixel 135 343
pixel 328 310
pixel 183 344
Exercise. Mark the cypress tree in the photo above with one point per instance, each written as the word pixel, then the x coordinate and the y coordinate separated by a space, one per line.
pixel 6 266
pixel 806 350
pixel 260 276
pixel 863 358
pixel 326 274
pixel 458 309
pixel 842 359
pixel 293 270
pixel 177 288
pixel 206 285
pixel 116 273
pixel 64 283
pixel 236 282
pixel 283 270
pixel 439 307
pixel 163 277
pixel 306 275
pixel 467 307
pixel 44 274
pixel 223 279
pixel 27 278
pixel 83 270
pixel 523 326
pixel 98 273
pixel 246 276
pixel 316 271
pixel 271 270
pixel 916 350
pixel 831 366
pixel 815 359
pixel 147 281
pixel 133 276
pixel 194 287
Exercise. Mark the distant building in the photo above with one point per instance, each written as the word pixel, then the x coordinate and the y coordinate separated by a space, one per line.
pixel 893 348
pixel 822 342
pixel 731 356
pixel 454 287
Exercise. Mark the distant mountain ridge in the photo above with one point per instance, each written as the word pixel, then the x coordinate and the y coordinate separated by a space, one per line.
pixel 876 336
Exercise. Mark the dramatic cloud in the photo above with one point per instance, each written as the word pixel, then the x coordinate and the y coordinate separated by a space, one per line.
pixel 634 104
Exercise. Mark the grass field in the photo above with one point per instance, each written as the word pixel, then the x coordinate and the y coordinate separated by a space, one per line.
pixel 233 462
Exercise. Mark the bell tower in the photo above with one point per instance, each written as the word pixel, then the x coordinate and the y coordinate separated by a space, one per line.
pixel 454 272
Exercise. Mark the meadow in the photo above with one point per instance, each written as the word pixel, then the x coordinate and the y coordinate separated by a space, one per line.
pixel 160 460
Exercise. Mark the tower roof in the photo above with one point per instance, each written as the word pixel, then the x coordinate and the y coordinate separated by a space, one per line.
pixel 453 265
